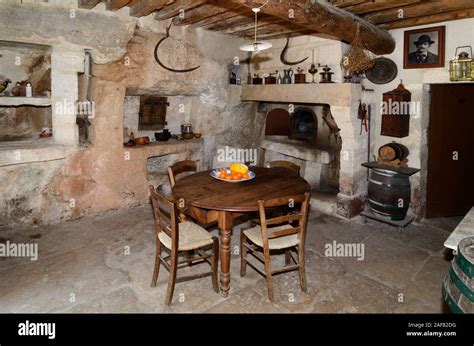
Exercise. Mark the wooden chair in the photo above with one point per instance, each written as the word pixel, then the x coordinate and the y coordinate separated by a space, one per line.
pixel 205 217
pixel 181 167
pixel 177 238
pixel 277 234
pixel 295 169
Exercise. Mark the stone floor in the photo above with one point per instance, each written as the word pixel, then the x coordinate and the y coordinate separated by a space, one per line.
pixel 104 264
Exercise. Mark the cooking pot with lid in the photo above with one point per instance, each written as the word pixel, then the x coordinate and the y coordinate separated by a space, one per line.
pixel 186 128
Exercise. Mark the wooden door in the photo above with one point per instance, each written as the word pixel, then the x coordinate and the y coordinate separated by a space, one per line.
pixel 450 182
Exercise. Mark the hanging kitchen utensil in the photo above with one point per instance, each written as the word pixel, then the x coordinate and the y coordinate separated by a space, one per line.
pixel 384 71
pixel 283 52
pixel 163 65
pixel 331 123
pixel 363 116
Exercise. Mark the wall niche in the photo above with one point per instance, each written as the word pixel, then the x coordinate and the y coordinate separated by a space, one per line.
pixel 22 63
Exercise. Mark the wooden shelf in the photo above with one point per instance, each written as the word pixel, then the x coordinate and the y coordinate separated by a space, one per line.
pixel 401 170
pixel 12 101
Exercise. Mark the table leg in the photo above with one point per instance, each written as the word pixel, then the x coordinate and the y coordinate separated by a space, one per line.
pixel 225 227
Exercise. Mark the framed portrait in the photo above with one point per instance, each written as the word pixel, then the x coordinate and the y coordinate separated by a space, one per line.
pixel 424 48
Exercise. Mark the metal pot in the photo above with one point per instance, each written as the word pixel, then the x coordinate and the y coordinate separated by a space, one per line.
pixel 186 128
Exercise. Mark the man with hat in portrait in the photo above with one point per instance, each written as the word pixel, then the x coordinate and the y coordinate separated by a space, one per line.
pixel 422 55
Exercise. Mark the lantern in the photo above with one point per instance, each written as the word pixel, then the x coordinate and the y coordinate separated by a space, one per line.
pixel 461 68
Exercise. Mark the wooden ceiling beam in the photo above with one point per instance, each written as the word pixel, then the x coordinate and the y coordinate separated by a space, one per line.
pixel 271 29
pixel 321 16
pixel 221 17
pixel 114 5
pixel 223 24
pixel 176 7
pixel 286 33
pixel 345 3
pixel 379 5
pixel 200 13
pixel 429 19
pixel 88 4
pixel 251 25
pixel 419 10
pixel 145 7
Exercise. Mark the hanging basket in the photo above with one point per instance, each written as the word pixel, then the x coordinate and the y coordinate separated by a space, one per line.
pixel 357 59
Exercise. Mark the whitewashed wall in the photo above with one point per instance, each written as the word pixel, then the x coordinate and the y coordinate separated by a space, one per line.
pixel 458 33
pixel 318 50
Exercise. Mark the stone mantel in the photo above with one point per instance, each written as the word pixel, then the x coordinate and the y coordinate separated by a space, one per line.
pixel 334 94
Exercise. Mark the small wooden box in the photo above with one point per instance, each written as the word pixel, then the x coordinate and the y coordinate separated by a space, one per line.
pixel 300 78
pixel 396 112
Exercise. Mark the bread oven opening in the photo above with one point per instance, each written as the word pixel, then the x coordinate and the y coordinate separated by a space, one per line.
pixel 304 125
pixel 308 137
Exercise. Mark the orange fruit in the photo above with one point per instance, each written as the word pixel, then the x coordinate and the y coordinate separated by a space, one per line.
pixel 245 176
pixel 238 168
pixel 239 175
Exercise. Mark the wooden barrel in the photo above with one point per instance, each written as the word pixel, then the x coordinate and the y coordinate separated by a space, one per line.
pixel 458 286
pixel 393 151
pixel 389 193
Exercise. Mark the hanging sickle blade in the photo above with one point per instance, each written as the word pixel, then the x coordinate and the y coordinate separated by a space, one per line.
pixel 163 65
pixel 283 52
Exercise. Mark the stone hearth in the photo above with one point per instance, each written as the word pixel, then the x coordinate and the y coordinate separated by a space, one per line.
pixel 314 161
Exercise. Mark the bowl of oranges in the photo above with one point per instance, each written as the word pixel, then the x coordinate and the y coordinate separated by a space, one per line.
pixel 236 172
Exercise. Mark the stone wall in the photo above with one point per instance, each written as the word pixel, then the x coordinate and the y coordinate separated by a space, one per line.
pixel 105 175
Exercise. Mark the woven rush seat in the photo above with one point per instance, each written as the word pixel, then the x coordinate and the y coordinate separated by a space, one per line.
pixel 191 236
pixel 255 235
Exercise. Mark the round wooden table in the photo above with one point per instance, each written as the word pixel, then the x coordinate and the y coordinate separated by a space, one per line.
pixel 226 201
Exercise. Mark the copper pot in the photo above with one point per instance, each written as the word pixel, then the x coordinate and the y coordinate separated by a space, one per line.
pixel 142 140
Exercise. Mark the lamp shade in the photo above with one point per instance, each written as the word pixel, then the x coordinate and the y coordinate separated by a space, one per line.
pixel 255 46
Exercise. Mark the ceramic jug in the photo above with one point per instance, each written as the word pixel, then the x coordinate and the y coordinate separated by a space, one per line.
pixel 287 74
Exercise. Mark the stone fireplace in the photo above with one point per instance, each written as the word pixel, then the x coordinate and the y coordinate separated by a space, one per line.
pixel 304 145
pixel 295 136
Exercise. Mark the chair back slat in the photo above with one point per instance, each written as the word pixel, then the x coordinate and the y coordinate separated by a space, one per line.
pixel 181 167
pixel 285 218
pixel 165 214
pixel 293 168
pixel 301 216
pixel 289 201
pixel 283 232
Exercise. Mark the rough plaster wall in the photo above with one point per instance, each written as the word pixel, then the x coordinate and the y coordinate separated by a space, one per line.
pixel 458 33
pixel 63 25
pixel 99 178
pixel 25 189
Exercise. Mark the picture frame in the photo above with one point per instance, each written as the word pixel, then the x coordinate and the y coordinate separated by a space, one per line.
pixel 424 48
